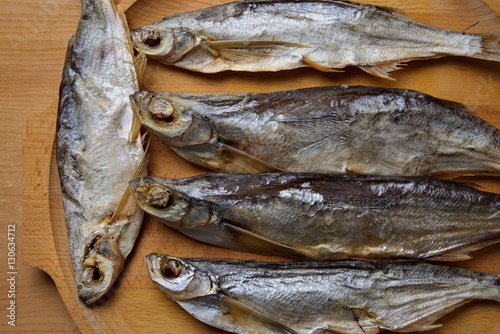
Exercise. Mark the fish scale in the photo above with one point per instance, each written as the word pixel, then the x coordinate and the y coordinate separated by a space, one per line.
pixel 326 217
pixel 355 297
pixel 98 151
pixel 369 130
pixel 268 36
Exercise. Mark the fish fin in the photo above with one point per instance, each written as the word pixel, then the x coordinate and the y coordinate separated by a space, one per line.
pixel 126 208
pixel 135 130
pixel 392 10
pixel 382 70
pixel 245 162
pixel 462 254
pixel 123 19
pixel 426 323
pixel 451 175
pixel 334 330
pixel 457 104
pixel 259 244
pixel 365 320
pixel 418 328
pixel 470 184
pixel 128 204
pixel 241 55
pixel 319 67
pixel 139 58
pixel 491 47
pixel 140 62
pixel 452 256
pixel 249 318
pixel 427 316
pixel 247 50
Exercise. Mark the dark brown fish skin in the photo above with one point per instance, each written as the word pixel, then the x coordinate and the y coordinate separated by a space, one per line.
pixel 327 217
pixel 357 297
pixel 331 130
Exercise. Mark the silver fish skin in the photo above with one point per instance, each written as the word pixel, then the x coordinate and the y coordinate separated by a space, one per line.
pixel 326 217
pixel 280 35
pixel 358 297
pixel 99 148
pixel 332 130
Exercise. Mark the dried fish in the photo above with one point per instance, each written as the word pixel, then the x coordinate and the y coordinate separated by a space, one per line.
pixel 331 130
pixel 99 148
pixel 271 35
pixel 326 217
pixel 358 297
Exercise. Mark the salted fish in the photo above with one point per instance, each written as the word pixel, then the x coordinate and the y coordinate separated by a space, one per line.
pixel 358 297
pixel 99 148
pixel 326 217
pixel 367 130
pixel 270 35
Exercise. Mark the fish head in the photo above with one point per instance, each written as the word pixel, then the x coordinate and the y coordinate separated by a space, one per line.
pixel 102 263
pixel 171 120
pixel 165 45
pixel 174 208
pixel 179 279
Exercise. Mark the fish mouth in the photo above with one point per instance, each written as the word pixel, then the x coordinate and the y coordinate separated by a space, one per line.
pixel 140 188
pixel 135 105
pixel 135 35
pixel 146 37
pixel 101 266
pixel 136 185
pixel 95 282
pixel 150 194
pixel 154 262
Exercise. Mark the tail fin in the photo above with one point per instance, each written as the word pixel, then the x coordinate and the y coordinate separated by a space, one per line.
pixel 491 47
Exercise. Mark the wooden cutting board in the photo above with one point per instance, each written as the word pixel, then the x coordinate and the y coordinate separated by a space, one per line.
pixel 134 304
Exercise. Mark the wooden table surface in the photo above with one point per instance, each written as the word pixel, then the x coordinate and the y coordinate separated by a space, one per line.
pixel 34 34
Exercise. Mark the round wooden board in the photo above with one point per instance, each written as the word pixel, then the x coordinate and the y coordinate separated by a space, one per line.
pixel 134 304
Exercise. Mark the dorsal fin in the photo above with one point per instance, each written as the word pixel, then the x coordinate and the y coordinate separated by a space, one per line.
pixel 392 10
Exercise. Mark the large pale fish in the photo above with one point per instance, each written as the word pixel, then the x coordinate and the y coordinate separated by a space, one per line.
pixel 342 129
pixel 326 217
pixel 271 35
pixel 357 297
pixel 99 148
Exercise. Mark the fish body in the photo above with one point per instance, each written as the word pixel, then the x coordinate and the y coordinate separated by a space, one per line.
pixel 366 130
pixel 358 297
pixel 266 35
pixel 98 150
pixel 326 217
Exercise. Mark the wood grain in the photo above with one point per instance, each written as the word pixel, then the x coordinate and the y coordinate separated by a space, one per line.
pixel 135 305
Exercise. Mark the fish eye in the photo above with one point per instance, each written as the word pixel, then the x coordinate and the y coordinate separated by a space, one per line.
pixel 159 197
pixel 151 37
pixel 162 110
pixel 171 269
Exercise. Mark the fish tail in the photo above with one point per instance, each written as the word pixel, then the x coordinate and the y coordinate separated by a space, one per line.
pixel 491 47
